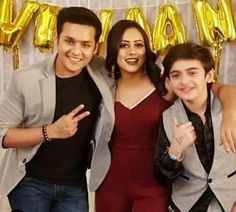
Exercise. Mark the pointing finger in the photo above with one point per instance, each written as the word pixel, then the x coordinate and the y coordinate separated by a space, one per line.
pixel 80 116
pixel 75 111
pixel 175 122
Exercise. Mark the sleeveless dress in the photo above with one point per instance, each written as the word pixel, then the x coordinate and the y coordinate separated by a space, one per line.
pixel 129 185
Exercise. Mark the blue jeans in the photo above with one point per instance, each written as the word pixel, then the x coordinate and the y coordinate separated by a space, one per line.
pixel 32 195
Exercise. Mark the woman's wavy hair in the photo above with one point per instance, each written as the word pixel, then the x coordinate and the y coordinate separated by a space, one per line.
pixel 113 42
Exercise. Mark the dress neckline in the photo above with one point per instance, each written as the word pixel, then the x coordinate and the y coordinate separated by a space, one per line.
pixel 139 102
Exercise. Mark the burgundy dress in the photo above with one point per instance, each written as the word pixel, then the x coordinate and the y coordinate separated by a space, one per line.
pixel 130 185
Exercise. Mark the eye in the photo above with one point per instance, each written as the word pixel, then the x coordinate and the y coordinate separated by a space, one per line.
pixel 192 73
pixel 69 41
pixel 139 45
pixel 86 45
pixel 174 76
pixel 123 45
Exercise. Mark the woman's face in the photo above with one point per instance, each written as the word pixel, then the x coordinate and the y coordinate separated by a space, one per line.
pixel 132 52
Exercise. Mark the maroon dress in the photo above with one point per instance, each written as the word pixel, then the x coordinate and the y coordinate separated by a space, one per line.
pixel 130 185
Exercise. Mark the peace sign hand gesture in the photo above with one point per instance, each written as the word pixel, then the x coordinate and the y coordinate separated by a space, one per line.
pixel 67 125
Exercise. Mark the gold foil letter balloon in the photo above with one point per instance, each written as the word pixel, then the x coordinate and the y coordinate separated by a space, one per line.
pixel 5 16
pixel 136 14
pixel 168 28
pixel 208 19
pixel 45 26
pixel 5 11
pixel 12 32
pixel 105 17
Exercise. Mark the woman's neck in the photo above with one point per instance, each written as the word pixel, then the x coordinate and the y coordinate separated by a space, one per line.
pixel 132 79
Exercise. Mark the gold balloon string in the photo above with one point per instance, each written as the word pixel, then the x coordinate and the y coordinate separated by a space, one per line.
pixel 15 51
pixel 16 57
pixel 217 45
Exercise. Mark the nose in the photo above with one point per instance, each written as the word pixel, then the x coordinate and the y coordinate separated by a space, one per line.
pixel 76 50
pixel 132 50
pixel 184 79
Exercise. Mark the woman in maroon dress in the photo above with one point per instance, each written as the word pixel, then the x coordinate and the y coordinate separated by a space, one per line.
pixel 130 185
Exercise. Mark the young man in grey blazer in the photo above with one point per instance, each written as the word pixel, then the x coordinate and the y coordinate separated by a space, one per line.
pixel 188 154
pixel 47 120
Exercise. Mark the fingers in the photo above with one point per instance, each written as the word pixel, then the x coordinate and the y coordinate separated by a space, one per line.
pixel 80 116
pixel 175 122
pixel 228 141
pixel 188 125
pixel 75 111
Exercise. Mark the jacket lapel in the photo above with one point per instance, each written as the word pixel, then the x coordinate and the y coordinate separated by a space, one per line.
pixel 104 88
pixel 48 90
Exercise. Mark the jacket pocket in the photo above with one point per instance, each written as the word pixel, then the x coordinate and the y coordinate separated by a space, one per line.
pixel 232 174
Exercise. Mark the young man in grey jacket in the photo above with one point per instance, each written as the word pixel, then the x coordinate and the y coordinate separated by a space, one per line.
pixel 48 116
pixel 188 154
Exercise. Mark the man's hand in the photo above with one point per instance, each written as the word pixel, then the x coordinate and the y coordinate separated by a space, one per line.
pixel 184 135
pixel 228 131
pixel 170 95
pixel 67 125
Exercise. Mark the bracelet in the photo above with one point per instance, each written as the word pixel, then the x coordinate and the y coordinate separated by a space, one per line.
pixel 45 134
pixel 173 156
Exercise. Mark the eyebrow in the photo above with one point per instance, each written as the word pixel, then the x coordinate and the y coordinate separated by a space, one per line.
pixel 71 38
pixel 188 69
pixel 134 41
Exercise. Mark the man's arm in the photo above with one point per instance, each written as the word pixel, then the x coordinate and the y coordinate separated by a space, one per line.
pixel 12 116
pixel 227 96
pixel 65 127
pixel 165 169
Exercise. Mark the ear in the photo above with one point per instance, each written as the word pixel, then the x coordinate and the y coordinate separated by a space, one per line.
pixel 96 48
pixel 55 40
pixel 210 77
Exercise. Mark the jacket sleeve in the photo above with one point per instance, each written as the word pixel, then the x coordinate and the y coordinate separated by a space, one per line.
pixel 165 169
pixel 11 108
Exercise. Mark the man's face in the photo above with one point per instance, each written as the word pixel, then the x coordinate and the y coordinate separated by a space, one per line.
pixel 188 80
pixel 76 46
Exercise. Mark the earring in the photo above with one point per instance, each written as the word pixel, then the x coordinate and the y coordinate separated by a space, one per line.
pixel 145 68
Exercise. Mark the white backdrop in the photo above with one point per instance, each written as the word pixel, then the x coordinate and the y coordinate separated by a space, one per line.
pixel 29 54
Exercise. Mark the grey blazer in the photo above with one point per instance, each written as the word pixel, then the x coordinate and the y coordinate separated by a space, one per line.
pixel 30 102
pixel 187 188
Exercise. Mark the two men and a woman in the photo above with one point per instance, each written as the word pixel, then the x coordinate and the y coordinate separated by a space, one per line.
pixel 55 111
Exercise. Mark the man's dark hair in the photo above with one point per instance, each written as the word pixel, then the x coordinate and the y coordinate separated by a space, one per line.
pixel 79 15
pixel 189 51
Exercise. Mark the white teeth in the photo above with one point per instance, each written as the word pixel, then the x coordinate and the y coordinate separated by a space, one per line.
pixel 131 60
pixel 74 59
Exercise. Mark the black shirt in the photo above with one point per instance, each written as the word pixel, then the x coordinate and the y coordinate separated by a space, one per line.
pixel 64 161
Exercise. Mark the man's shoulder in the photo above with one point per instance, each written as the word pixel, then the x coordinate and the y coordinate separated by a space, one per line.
pixel 97 63
pixel 173 107
pixel 35 68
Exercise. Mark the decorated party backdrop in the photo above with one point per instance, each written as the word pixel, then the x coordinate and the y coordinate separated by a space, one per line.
pixel 27 28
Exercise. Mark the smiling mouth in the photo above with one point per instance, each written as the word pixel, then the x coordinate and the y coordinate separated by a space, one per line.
pixel 75 60
pixel 186 90
pixel 132 61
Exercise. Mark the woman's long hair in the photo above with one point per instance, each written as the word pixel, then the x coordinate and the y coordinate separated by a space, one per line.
pixel 113 42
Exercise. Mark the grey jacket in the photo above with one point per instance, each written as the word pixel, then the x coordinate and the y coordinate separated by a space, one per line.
pixel 187 190
pixel 30 101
